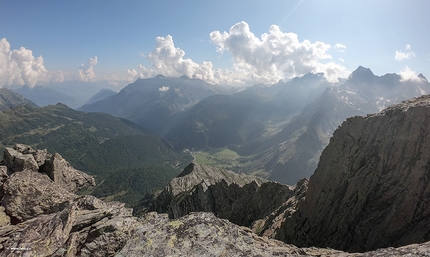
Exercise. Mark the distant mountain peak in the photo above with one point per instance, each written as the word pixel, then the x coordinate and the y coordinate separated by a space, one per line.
pixel 421 76
pixel 362 73
pixel 310 75
pixel 160 76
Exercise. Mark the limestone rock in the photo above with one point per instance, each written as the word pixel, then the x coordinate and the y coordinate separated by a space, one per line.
pixel 28 194
pixel 62 173
pixel 371 188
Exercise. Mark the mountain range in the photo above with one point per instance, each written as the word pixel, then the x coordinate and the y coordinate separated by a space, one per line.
pixel 279 131
pixel 155 103
pixel 127 160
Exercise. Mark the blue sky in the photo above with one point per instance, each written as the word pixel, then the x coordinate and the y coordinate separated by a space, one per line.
pixel 218 41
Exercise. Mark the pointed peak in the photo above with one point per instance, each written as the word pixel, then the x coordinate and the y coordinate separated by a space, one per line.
pixel 362 74
pixel 363 70
pixel 421 76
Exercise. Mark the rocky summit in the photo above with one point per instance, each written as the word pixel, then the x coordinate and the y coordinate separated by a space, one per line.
pixel 371 188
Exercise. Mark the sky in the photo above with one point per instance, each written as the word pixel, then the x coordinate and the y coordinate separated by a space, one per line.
pixel 233 42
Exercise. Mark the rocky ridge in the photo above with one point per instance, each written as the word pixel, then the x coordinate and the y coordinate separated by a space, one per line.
pixel 371 188
pixel 192 176
pixel 86 226
pixel 41 217
pixel 239 198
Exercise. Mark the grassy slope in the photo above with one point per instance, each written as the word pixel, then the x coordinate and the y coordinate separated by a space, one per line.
pixel 126 161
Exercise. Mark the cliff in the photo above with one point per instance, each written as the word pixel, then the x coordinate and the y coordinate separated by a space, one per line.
pixel 239 198
pixel 371 188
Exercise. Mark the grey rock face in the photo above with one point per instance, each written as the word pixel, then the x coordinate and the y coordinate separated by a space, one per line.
pixel 270 225
pixel 86 227
pixel 18 161
pixel 60 171
pixel 28 194
pixel 243 200
pixel 371 188
pixel 23 157
pixel 200 234
pixel 41 216
pixel 191 177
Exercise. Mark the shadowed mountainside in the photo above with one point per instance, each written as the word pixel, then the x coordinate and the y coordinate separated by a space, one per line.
pixel 126 160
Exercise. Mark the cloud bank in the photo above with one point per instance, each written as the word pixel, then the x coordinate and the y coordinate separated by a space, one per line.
pixel 400 56
pixel 276 55
pixel 272 57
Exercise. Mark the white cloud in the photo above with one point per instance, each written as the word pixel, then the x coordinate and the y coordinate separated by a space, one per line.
pixel 409 75
pixel 169 60
pixel 341 59
pixel 20 67
pixel 400 56
pixel 86 72
pixel 163 89
pixel 339 47
pixel 274 56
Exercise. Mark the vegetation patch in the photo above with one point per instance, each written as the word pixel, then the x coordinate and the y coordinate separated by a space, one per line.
pixel 220 158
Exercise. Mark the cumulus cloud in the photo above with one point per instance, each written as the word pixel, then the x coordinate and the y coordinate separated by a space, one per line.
pixel 339 47
pixel 163 89
pixel 276 55
pixel 20 67
pixel 400 56
pixel 86 72
pixel 273 57
pixel 407 74
pixel 169 60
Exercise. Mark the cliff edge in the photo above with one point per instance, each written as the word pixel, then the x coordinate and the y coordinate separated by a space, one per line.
pixel 371 188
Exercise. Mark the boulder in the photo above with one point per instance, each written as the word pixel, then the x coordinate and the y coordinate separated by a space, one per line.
pixel 17 161
pixel 86 227
pixel 61 172
pixel 28 194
